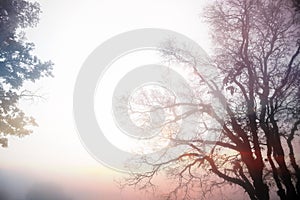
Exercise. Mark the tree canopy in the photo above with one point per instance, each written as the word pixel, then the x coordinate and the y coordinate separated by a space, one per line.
pixel 18 64
pixel 256 50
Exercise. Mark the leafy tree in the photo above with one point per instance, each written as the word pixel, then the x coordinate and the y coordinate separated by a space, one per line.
pixel 256 50
pixel 17 65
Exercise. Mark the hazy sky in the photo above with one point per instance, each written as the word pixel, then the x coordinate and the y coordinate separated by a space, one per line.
pixel 67 33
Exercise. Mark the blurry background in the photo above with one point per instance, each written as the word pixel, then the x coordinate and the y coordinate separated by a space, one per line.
pixel 67 33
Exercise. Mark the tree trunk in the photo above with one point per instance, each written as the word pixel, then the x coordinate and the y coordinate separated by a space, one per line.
pixel 255 168
pixel 292 155
pixel 285 173
pixel 261 189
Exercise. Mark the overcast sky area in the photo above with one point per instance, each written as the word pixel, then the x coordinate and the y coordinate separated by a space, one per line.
pixel 68 32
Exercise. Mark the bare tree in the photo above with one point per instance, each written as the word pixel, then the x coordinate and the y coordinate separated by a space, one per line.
pixel 257 47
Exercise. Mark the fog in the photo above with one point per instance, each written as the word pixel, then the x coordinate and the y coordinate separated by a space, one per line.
pixel 16 186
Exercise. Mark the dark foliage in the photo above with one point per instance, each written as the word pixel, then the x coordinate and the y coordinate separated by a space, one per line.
pixel 17 65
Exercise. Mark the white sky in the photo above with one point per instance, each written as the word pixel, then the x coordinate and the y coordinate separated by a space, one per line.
pixel 67 33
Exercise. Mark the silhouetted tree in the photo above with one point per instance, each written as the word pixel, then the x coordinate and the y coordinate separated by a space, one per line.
pixel 17 65
pixel 256 50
